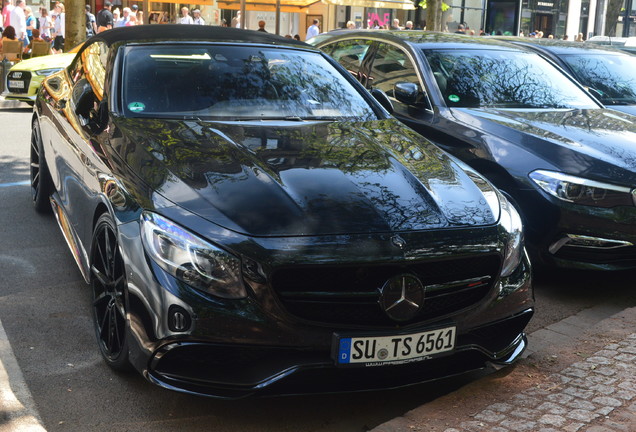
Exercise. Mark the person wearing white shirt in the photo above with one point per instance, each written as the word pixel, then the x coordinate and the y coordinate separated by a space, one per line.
pixel 185 18
pixel 125 12
pixel 18 21
pixel 196 19
pixel 46 24
pixel 313 30
pixel 59 29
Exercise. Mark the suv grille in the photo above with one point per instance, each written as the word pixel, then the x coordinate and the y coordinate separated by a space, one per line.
pixel 351 294
pixel 18 81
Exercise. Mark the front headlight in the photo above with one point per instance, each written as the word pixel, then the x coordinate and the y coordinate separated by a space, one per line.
pixel 191 259
pixel 511 223
pixel 583 191
pixel 47 72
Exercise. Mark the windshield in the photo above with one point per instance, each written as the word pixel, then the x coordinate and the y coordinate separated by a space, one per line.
pixel 228 82
pixel 503 79
pixel 612 76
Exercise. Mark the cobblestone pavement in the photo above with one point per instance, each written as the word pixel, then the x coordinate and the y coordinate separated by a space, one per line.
pixel 570 384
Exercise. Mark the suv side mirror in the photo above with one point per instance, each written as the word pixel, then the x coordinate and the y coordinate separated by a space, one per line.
pixel 408 93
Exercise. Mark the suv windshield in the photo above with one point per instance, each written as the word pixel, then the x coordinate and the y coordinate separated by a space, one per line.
pixel 612 76
pixel 229 82
pixel 503 79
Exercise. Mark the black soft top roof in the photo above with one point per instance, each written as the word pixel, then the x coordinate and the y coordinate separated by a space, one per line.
pixel 177 32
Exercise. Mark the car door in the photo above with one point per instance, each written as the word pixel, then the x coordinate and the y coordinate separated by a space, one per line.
pixel 388 65
pixel 86 101
pixel 64 139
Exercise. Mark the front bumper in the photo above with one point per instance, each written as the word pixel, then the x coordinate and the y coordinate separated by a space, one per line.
pixel 231 372
pixel 265 344
pixel 21 98
pixel 574 236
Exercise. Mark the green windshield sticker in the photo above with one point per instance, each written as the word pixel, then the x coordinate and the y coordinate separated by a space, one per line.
pixel 453 98
pixel 136 106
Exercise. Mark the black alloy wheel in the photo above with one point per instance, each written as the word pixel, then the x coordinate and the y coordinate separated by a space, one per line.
pixel 108 281
pixel 40 179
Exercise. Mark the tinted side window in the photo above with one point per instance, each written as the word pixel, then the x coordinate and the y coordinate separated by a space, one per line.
pixel 390 66
pixel 348 53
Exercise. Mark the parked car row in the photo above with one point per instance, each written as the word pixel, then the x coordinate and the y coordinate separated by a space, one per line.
pixel 567 162
pixel 252 220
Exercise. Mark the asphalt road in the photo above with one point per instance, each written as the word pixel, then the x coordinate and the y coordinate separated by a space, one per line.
pixel 44 308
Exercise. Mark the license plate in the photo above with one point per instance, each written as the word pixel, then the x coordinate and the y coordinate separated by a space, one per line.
pixel 379 350
pixel 16 84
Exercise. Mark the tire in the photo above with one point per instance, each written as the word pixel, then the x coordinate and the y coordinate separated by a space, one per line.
pixel 41 184
pixel 110 296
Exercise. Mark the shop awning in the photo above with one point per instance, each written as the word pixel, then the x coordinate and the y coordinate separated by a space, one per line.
pixel 302 5
pixel 267 5
pixel 380 4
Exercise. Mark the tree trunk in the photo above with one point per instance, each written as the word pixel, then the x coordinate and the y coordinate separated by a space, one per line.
pixel 75 24
pixel 611 17
pixel 434 15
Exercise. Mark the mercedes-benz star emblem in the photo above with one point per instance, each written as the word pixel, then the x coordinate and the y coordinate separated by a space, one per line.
pixel 402 297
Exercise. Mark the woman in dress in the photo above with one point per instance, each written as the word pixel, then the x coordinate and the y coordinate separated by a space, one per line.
pixel 59 29
pixel 46 24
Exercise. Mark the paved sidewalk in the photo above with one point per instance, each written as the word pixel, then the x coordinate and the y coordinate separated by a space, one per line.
pixel 580 377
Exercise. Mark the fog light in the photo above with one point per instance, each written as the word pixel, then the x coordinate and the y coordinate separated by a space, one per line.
pixel 179 319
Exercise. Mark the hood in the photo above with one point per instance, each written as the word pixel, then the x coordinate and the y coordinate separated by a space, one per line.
pixel 598 144
pixel 45 62
pixel 302 178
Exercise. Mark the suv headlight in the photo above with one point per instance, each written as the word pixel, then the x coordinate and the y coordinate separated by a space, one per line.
pixel 583 191
pixel 511 222
pixel 191 259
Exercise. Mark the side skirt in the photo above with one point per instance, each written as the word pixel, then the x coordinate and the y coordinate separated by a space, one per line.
pixel 72 240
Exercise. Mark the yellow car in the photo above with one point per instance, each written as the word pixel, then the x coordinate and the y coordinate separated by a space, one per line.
pixel 24 78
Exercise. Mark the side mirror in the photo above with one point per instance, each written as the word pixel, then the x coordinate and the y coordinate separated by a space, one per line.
pixel 408 93
pixel 384 100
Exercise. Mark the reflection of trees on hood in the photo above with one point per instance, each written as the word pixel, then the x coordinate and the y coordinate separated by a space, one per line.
pixel 202 153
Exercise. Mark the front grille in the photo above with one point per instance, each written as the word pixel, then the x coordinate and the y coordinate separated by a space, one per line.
pixel 18 81
pixel 349 295
pixel 622 256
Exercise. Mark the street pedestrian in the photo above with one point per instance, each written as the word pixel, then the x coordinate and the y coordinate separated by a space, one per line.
pixel 46 24
pixel 18 21
pixel 105 19
pixel 91 25
pixel 185 16
pixel 59 29
pixel 313 30
pixel 6 13
pixel 140 16
pixel 196 19
pixel 261 26
pixel 236 21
